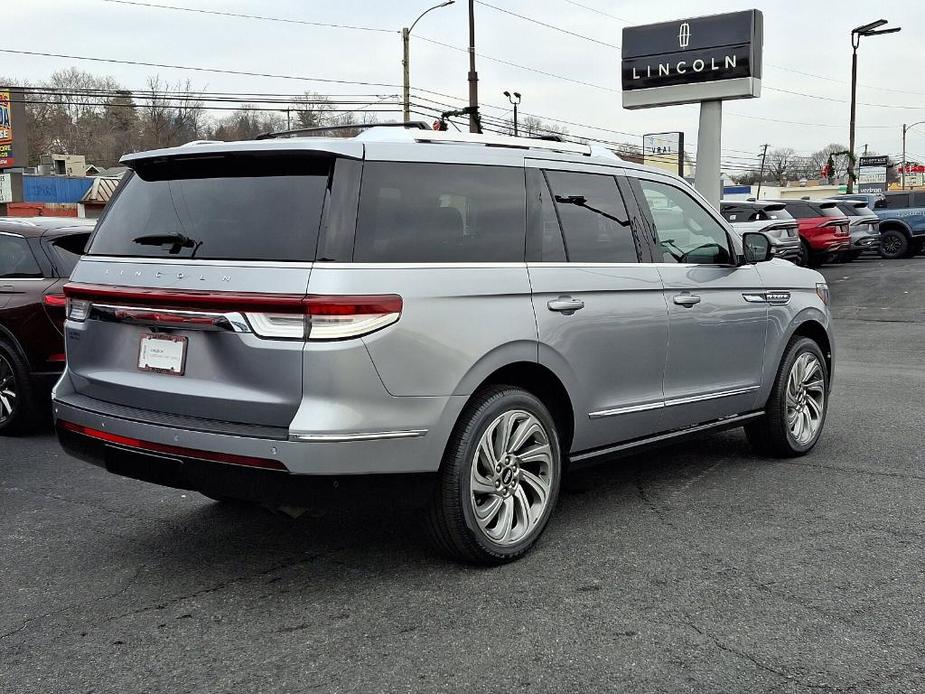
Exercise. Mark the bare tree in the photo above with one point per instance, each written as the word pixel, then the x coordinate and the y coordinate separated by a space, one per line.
pixel 780 163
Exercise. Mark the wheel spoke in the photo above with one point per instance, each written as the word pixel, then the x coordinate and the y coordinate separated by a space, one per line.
pixel 524 513
pixel 527 428
pixel 480 485
pixel 486 513
pixel 537 485
pixel 502 530
pixel 504 436
pixel 815 407
pixel 537 454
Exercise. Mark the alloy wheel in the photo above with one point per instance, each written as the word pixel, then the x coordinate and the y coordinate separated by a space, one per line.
pixel 891 245
pixel 511 477
pixel 805 398
pixel 7 390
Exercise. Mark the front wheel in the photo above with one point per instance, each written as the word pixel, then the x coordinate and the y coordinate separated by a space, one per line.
pixel 893 244
pixel 499 480
pixel 797 407
pixel 19 412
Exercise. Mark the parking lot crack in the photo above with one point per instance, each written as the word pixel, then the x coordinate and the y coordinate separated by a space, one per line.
pixel 726 648
pixel 128 583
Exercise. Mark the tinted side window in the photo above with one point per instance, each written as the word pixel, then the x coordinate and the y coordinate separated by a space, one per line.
pixel 544 237
pixel 594 220
pixel 68 250
pixel 16 259
pixel 427 213
pixel 685 231
pixel 918 199
pixel 897 201
pixel 731 213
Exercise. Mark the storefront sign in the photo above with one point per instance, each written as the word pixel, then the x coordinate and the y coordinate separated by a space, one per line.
pixel 664 151
pixel 872 174
pixel 697 59
pixel 6 188
pixel 6 131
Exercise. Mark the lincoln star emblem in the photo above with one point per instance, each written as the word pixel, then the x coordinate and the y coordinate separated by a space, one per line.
pixel 684 35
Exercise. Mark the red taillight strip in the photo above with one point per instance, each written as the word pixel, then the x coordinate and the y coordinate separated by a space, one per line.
pixel 236 301
pixel 54 300
pixel 180 299
pixel 151 447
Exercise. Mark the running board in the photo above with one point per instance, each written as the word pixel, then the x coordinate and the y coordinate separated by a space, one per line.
pixel 632 446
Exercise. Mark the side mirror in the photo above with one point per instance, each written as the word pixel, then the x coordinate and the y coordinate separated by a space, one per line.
pixel 757 247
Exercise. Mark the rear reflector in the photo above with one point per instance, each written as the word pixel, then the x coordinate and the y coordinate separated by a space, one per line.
pixel 151 447
pixel 57 358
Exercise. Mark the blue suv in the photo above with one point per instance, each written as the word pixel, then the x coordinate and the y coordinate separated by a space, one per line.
pixel 902 220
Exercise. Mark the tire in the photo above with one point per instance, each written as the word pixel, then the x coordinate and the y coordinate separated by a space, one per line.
pixel 810 259
pixel 773 434
pixel 803 260
pixel 19 413
pixel 512 495
pixel 893 244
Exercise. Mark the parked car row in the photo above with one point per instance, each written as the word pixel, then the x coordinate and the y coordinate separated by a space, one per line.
pixel 835 230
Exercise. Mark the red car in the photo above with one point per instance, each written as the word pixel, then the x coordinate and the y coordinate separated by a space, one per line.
pixel 824 229
pixel 36 258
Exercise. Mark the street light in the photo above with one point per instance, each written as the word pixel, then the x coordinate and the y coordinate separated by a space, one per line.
pixel 907 128
pixel 406 58
pixel 870 29
pixel 515 99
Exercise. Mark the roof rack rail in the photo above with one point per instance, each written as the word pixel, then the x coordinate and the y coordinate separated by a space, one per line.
pixel 413 125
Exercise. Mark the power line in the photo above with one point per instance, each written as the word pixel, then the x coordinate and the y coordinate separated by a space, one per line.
pixel 238 15
pixel 843 101
pixel 548 26
pixel 793 122
pixel 521 67
pixel 597 11
pixel 223 71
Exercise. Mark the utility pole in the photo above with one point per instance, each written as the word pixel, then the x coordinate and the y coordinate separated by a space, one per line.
pixel 764 155
pixel 903 171
pixel 473 75
pixel 406 60
pixel 865 150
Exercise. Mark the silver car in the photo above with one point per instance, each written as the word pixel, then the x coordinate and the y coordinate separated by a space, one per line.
pixel 770 219
pixel 864 226
pixel 448 315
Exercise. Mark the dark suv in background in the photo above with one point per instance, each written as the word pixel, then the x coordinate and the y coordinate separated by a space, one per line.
pixel 36 258
pixel 823 229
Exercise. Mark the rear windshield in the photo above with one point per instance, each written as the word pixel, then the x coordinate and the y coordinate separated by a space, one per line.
pixel 828 211
pixel 851 211
pixel 225 207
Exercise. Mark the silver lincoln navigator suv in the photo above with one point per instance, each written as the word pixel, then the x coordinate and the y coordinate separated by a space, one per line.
pixel 462 316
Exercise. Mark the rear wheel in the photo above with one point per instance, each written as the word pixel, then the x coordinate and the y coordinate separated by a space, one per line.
pixel 893 244
pixel 797 407
pixel 499 480
pixel 18 408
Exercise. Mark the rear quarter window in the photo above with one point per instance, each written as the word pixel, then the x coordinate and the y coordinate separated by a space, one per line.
pixel 801 210
pixel 897 201
pixel 16 259
pixel 430 213
pixel 226 207
pixel 67 251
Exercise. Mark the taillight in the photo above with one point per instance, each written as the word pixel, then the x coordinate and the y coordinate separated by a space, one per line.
pixel 274 316
pixel 77 310
pixel 329 318
pixel 54 300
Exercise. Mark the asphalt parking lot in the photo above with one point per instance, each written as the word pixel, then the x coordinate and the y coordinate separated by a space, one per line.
pixel 695 568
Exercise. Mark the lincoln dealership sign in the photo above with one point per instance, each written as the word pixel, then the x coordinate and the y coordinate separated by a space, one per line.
pixel 690 60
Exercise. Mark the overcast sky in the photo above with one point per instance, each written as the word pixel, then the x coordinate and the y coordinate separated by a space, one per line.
pixel 808 37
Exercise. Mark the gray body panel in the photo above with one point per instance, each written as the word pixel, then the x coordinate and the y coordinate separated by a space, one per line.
pixel 633 362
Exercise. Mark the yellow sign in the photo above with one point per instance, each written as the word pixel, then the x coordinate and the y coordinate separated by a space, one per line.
pixel 6 131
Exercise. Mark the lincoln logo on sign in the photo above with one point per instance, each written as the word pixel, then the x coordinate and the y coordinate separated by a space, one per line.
pixel 696 59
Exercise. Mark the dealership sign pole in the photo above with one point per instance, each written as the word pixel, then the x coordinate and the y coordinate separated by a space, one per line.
pixel 703 60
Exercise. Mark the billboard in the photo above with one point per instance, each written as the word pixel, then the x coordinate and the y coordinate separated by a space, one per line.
pixel 664 151
pixel 872 173
pixel 6 131
pixel 697 59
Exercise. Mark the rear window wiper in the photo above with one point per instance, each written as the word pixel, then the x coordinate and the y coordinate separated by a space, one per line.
pixel 175 239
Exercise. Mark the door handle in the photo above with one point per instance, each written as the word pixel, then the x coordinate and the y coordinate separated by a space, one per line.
pixel 686 299
pixel 6 288
pixel 565 304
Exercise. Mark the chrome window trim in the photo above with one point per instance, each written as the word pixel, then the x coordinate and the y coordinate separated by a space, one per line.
pixel 232 321
pixel 356 436
pixel 671 403
pixel 195 262
pixel 13 234
pixel 27 279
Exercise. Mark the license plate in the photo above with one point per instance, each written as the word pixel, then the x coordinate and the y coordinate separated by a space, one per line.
pixel 164 354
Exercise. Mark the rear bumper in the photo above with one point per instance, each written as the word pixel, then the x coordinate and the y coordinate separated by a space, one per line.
pixel 788 249
pixel 416 449
pixel 270 487
pixel 865 243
